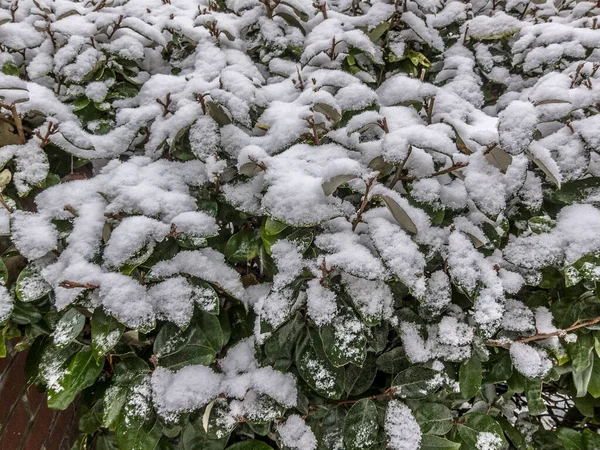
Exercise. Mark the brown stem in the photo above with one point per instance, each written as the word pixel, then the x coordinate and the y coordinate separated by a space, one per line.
pixel 383 125
pixel 541 336
pixel 387 393
pixel 116 26
pixel 363 204
pixel 452 168
pixel 430 109
pixel 165 104
pixel 45 140
pixel 313 127
pixel 3 203
pixel 67 284
pixel 398 173
pixel 17 120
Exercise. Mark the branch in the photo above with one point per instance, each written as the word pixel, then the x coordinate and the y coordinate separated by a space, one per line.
pixel 387 393
pixel 17 120
pixel 75 285
pixel 363 205
pixel 541 336
pixel 452 168
pixel 398 173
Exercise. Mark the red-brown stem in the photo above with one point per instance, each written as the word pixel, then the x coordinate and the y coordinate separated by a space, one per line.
pixel 541 336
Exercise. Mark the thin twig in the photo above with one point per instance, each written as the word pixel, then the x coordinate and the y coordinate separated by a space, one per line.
pixel 452 168
pixel 67 284
pixel 363 204
pixel 541 336
pixel 400 168
pixel 387 393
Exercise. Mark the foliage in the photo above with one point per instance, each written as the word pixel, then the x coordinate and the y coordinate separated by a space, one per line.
pixel 282 224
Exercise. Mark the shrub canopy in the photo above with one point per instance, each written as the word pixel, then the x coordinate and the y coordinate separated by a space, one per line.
pixel 256 224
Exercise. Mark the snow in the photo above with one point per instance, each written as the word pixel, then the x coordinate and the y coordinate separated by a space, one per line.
pixel 401 427
pixel 193 387
pixel 485 114
pixel 6 304
pixel 321 303
pixel 488 441
pixel 530 361
pixel 295 434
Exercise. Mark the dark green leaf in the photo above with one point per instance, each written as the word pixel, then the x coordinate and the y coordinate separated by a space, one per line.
pixel 242 246
pixel 433 418
pixel 316 370
pixel 359 379
pixel 31 286
pixel 470 377
pixel 430 442
pixel 571 439
pixel 68 328
pixel 81 372
pixel 360 425
pixel 195 438
pixel 343 340
pixel 198 344
pixel 250 445
pixel 393 361
pixel 416 382
pixel 475 423
pixel 106 332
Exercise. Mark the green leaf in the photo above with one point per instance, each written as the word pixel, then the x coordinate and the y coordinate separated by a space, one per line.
pixel 273 227
pixel 376 33
pixel 80 103
pixel 403 219
pixel 513 435
pixel 359 379
pixel 499 370
pixel 68 328
pixel 533 393
pixel 291 20
pixel 281 343
pixel 3 273
pixel 470 377
pixel 416 382
pixel 343 340
pixel 360 425
pixel 205 296
pixel 594 382
pixel 250 444
pixel 475 423
pixel 430 442
pixel 198 344
pixel 242 246
pixel 10 68
pixel 330 186
pixel 591 439
pixel 434 418
pixel 106 441
pixel 31 286
pixel 585 405
pixel 418 58
pixel 316 370
pixel 135 428
pixel 195 438
pixel 301 14
pixel 571 439
pixel 576 190
pixel 212 419
pixel 394 361
pixel 106 332
pixel 242 323
pixel 81 372
pixel 581 379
